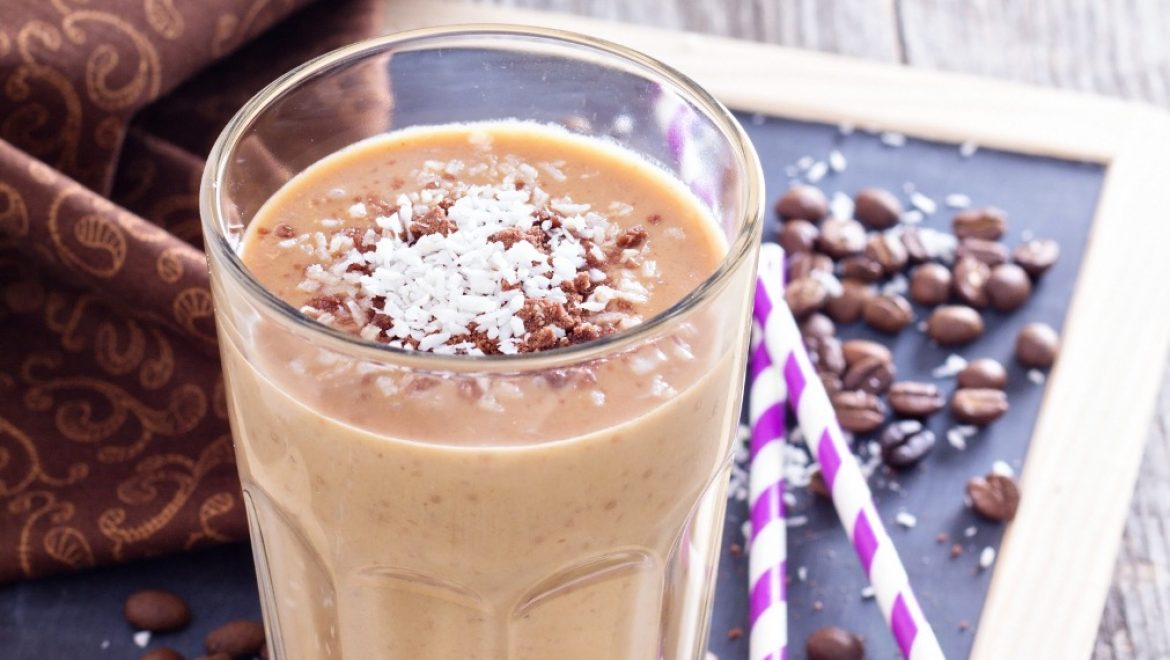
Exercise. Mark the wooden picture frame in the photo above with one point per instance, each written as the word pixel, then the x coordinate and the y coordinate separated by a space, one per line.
pixel 1056 561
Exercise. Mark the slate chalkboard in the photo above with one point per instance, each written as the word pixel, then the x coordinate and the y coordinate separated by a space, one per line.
pixel 79 616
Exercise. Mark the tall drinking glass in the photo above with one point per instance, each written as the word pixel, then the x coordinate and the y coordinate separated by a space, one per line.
pixel 573 507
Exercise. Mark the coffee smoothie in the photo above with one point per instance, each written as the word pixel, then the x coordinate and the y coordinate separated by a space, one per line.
pixel 445 500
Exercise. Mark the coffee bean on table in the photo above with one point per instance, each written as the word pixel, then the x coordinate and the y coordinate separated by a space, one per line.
pixel 861 267
pixel 803 203
pixel 994 497
pixel 954 325
pixel 978 406
pixel 970 281
pixel 798 236
pixel 1036 256
pixel 236 638
pixel 832 643
pixel 877 208
pixel 930 284
pixel 888 313
pixel 1037 345
pixel 982 373
pixel 156 610
pixel 848 305
pixel 825 354
pixel 888 251
pixel 1008 288
pixel 870 374
pixel 162 653
pixel 915 399
pixel 905 442
pixel 916 250
pixel 831 381
pixel 805 296
pixel 856 350
pixel 987 223
pixel 857 411
pixel 818 325
pixel 841 237
pixel 804 264
pixel 989 252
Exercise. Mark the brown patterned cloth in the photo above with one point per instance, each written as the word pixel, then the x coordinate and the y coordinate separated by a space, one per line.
pixel 114 442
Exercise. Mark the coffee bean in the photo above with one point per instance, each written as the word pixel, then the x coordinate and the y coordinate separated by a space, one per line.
pixel 970 281
pixel 916 250
pixel 805 296
pixel 818 325
pixel 215 656
pixel 954 325
pixel 930 284
pixel 869 374
pixel 1036 256
pixel 841 237
pixel 914 399
pixel 905 442
pixel 832 643
pixel 989 252
pixel 825 354
pixel 162 653
pixel 978 406
pixel 861 267
pixel 803 203
pixel 994 497
pixel 798 236
pixel 156 611
pixel 804 264
pixel 988 224
pixel 982 373
pixel 858 411
pixel 239 638
pixel 856 350
pixel 1037 345
pixel 888 251
pixel 831 381
pixel 877 208
pixel 888 313
pixel 1008 287
pixel 847 306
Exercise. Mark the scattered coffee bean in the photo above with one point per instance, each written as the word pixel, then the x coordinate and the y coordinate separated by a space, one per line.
pixel 162 653
pixel 841 237
pixel 856 350
pixel 988 224
pixel 857 411
pixel 1036 256
pixel 831 381
pixel 803 203
pixel 804 264
pixel 832 643
pixel 982 373
pixel 888 251
pixel 914 399
pixel 239 638
pixel 978 406
pixel 994 497
pixel 825 354
pixel 1037 345
pixel 930 284
pixel 870 374
pixel 970 281
pixel 989 252
pixel 861 267
pixel 805 296
pixel 1008 287
pixel 888 313
pixel 915 246
pixel 848 305
pixel 156 611
pixel 905 442
pixel 877 208
pixel 818 325
pixel 954 325
pixel 798 236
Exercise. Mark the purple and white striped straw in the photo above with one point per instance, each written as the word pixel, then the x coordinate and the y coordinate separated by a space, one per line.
pixel 851 496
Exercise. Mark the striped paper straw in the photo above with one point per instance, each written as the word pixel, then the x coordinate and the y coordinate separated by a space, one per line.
pixel 851 495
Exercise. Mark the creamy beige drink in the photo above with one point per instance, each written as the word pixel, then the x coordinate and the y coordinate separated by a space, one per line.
pixel 436 504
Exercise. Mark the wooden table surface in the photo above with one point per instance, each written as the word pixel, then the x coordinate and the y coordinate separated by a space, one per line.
pixel 1112 47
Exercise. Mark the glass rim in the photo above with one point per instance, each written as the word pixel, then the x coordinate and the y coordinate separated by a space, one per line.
pixel 222 252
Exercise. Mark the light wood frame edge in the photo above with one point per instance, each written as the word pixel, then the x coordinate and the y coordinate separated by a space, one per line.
pixel 1056 562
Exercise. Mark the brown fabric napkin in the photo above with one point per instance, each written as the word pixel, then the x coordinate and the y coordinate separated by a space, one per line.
pixel 114 441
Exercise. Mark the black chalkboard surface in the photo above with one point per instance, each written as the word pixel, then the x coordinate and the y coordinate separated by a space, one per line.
pixel 79 616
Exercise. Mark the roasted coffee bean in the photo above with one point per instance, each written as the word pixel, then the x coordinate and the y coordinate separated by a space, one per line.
pixel 798 236
pixel 818 325
pixel 888 251
pixel 847 306
pixel 988 223
pixel 803 203
pixel 831 381
pixel 916 251
pixel 870 374
pixel 156 611
pixel 1036 256
pixel 162 653
pixel 877 208
pixel 832 643
pixel 954 325
pixel 841 237
pixel 1008 287
pixel 825 354
pixel 856 350
pixel 994 497
pixel 989 252
pixel 804 264
pixel 970 281
pixel 805 296
pixel 981 373
pixel 861 267
pixel 905 442
pixel 914 399
pixel 888 313
pixel 930 284
pixel 239 638
pixel 978 406
pixel 857 411
pixel 1037 345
